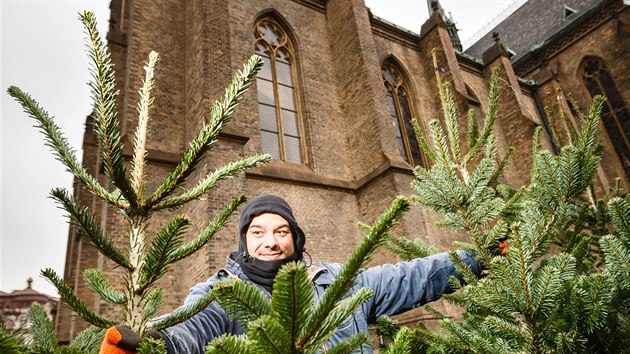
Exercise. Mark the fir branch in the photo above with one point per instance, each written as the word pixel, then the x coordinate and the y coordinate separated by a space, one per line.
pixel 590 127
pixel 548 282
pixel 359 257
pixel 429 192
pixel 152 302
pixel 479 179
pixel 83 221
pixel 349 345
pixel 617 258
pixel 182 313
pixel 268 336
pixel 220 114
pixel 230 170
pixel 243 301
pixel 95 280
pixel 206 235
pixel 472 128
pixel 59 144
pixel 438 140
pixel 502 165
pixel 68 297
pixel 89 340
pixel 402 342
pixel 406 249
pixel 293 294
pixel 342 310
pixel 229 344
pixel 43 330
pixel 9 342
pixel 160 252
pixel 140 137
pixel 619 211
pixel 491 116
pixel 422 141
pixel 450 120
pixel 104 93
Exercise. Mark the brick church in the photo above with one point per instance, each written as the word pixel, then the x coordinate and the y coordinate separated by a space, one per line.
pixel 332 105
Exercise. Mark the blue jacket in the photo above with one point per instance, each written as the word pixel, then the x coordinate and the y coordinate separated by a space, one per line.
pixel 396 288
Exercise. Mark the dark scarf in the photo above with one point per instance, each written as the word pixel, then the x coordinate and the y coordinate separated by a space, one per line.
pixel 262 272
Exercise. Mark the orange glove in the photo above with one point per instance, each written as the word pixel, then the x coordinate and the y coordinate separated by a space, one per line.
pixel 499 249
pixel 122 340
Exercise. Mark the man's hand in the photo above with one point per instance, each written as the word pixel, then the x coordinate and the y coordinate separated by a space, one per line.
pixel 500 248
pixel 122 340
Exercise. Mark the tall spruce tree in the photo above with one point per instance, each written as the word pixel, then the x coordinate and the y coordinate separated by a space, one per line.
pixel 146 258
pixel 533 300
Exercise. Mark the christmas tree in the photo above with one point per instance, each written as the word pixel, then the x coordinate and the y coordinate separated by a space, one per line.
pixel 552 292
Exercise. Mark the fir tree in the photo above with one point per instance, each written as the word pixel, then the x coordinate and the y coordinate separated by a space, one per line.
pixel 532 300
pixel 292 321
pixel 147 257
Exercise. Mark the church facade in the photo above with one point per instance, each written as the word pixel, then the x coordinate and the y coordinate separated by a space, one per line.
pixel 332 105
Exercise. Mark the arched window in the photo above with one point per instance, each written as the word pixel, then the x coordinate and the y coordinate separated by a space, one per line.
pixel 277 94
pixel 615 114
pixel 401 112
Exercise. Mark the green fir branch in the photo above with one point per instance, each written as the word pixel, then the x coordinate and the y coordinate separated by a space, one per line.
pixel 181 314
pixel 406 249
pixel 345 279
pixel 491 116
pixel 206 235
pixel 440 146
pixel 89 340
pixel 472 127
pixel 69 298
pixel 349 345
pixel 9 342
pixel 292 295
pixel 142 130
pixel 220 114
pixel 228 171
pixel 422 141
pixel 104 94
pixel 243 301
pixel 342 310
pixel 267 335
pixel 59 144
pixel 44 340
pixel 229 344
pixel 498 172
pixel 619 211
pixel 590 127
pixel 152 302
pixel 160 251
pixel 450 121
pixel 96 280
pixel 83 221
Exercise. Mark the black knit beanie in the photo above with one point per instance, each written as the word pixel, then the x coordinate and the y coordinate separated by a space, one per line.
pixel 267 203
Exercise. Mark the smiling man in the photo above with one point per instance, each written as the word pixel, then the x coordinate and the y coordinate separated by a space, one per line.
pixel 269 238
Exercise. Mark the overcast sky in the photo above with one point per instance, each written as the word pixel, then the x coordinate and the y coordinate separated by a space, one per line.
pixel 42 52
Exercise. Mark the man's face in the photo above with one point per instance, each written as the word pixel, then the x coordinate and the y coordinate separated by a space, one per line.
pixel 269 238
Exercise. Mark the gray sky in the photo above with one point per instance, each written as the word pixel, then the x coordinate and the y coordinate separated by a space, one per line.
pixel 42 52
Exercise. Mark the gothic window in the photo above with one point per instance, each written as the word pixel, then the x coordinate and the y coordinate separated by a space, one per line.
pixel 401 112
pixel 277 93
pixel 615 113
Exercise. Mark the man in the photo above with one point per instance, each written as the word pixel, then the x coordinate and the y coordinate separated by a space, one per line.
pixel 271 237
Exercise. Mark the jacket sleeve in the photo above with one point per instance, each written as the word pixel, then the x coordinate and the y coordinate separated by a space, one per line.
pixel 192 335
pixel 407 285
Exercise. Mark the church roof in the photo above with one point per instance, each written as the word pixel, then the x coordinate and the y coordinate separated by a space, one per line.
pixel 531 24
